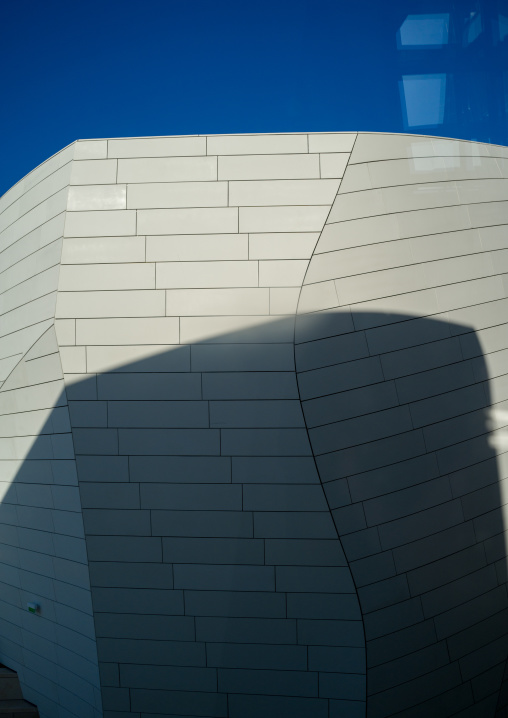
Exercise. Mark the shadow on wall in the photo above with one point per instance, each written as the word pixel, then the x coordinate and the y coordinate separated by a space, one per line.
pixel 265 541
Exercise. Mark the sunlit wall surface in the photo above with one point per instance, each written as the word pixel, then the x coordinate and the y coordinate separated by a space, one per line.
pixel 253 426
pixel 453 62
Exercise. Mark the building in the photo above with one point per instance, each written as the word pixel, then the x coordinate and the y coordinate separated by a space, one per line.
pixel 253 414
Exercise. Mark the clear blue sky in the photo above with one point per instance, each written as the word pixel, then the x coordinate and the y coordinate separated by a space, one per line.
pixel 112 68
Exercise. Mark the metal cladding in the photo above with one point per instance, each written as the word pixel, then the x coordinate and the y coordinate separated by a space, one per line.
pixel 253 424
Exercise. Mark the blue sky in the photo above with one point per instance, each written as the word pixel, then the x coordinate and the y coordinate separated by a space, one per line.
pixel 162 67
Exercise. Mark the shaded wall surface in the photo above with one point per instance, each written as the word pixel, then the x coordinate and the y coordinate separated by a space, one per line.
pixel 269 401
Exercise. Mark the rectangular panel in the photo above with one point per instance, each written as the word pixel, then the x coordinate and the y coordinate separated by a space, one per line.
pixel 282 219
pixel 201 302
pixel 177 194
pixel 93 172
pixel 136 303
pixel 262 167
pixel 75 278
pixel 207 274
pixel 187 221
pixel 196 247
pixel 100 224
pixel 148 330
pixel 95 197
pixel 256 144
pixel 157 147
pixel 282 192
pixel 171 169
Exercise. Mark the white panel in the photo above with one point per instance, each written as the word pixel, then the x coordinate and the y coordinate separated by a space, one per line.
pixel 200 247
pixel 200 302
pixel 256 144
pixel 282 273
pixel 225 330
pixel 266 167
pixel 333 164
pixel 90 149
pixel 282 219
pixel 282 192
pixel 75 278
pixel 284 300
pixel 94 172
pixel 99 224
pixel 333 142
pixel 282 245
pixel 97 197
pixel 177 194
pixel 98 250
pixel 137 303
pixel 173 169
pixel 157 147
pixel 174 275
pixel 187 221
pixel 107 332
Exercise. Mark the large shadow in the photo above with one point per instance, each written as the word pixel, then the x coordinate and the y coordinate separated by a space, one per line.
pixel 257 534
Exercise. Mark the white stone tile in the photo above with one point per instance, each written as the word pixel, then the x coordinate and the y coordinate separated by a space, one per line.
pixel 187 275
pixel 99 250
pixel 333 164
pixel 267 167
pixel 100 224
pixel 40 237
pixel 332 142
pixel 282 272
pixel 214 220
pixel 91 150
pixel 282 192
pixel 196 247
pixel 73 360
pixel 202 302
pixel 177 194
pixel 157 147
pixel 282 245
pixel 256 144
pixel 83 277
pixel 148 330
pixel 32 265
pixel 236 330
pixel 316 297
pixel 93 172
pixel 86 197
pixel 358 232
pixel 284 300
pixel 282 219
pixel 138 303
pixel 171 169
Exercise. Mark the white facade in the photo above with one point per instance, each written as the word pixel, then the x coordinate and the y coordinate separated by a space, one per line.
pixel 253 427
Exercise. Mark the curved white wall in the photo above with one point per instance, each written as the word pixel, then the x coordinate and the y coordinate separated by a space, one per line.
pixel 246 557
